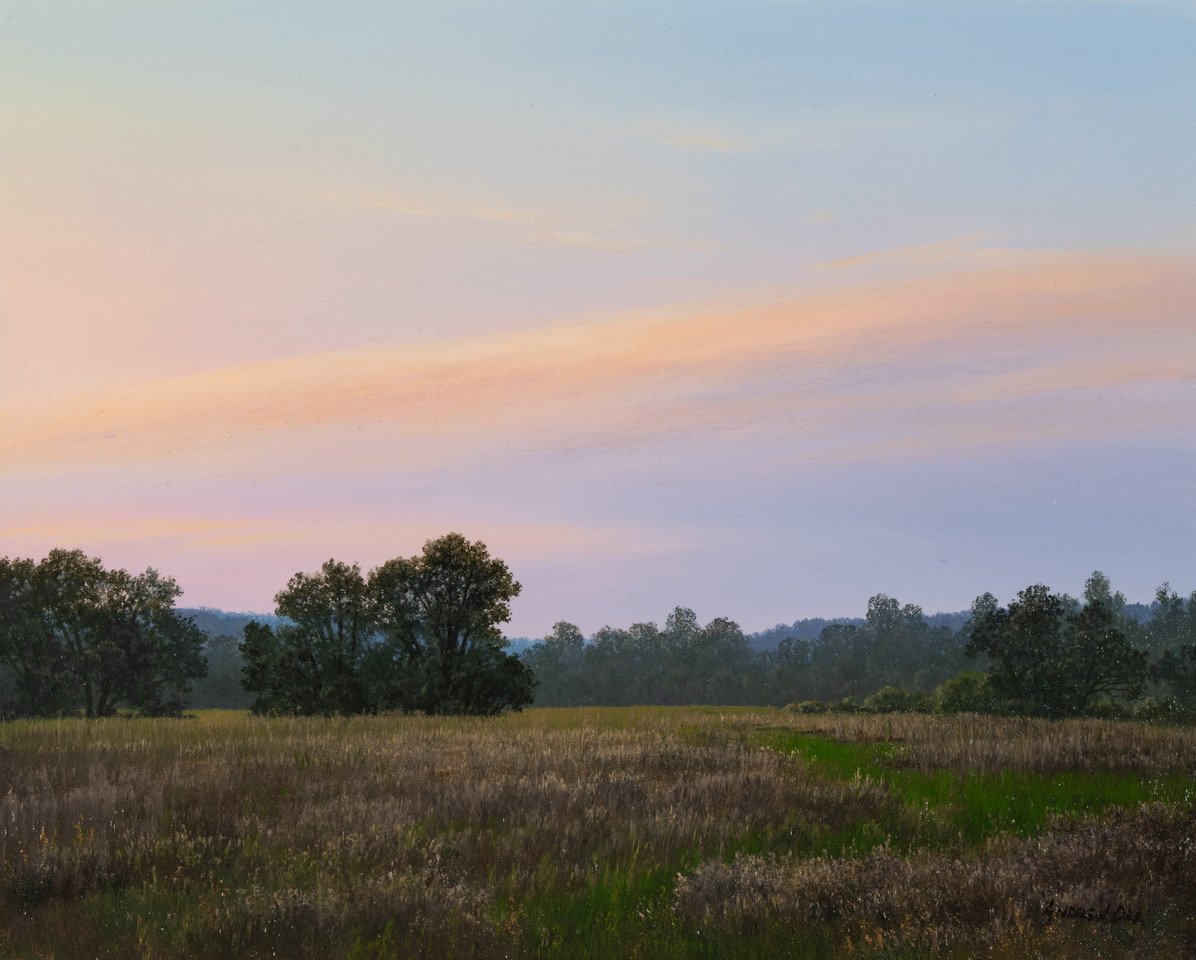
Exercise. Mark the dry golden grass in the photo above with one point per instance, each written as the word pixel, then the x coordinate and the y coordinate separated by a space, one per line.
pixel 553 832
pixel 1123 868
pixel 341 825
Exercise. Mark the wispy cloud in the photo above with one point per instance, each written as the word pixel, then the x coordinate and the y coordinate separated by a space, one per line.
pixel 544 228
pixel 819 218
pixel 972 249
pixel 613 242
pixel 410 206
pixel 580 238
pixel 949 354
pixel 701 141
pixel 698 135
pixel 91 528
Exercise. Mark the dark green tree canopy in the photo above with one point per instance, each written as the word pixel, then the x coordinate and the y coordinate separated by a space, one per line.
pixel 439 614
pixel 312 662
pixel 1172 632
pixel 419 633
pixel 74 635
pixel 1053 656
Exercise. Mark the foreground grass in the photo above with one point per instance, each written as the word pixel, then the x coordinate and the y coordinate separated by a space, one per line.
pixel 593 833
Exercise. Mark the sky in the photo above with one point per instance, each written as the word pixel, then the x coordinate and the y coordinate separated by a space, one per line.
pixel 757 308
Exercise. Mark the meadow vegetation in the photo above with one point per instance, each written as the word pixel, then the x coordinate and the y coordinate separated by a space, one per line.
pixel 646 832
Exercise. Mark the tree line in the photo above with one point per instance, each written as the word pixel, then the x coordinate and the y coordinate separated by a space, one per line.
pixel 422 633
pixel 686 663
pixel 1044 654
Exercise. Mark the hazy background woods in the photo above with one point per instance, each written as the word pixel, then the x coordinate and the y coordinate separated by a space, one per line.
pixel 686 662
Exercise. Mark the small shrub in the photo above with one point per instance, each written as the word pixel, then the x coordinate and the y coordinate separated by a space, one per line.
pixel 896 700
pixel 1107 709
pixel 968 692
pixel 1162 710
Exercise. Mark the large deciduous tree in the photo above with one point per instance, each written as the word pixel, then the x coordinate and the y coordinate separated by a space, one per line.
pixel 420 633
pixel 1052 656
pixel 312 662
pixel 34 669
pixel 439 613
pixel 148 653
pixel 75 636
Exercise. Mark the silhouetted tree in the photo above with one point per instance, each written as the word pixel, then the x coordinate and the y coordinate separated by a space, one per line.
pixel 439 613
pixel 74 635
pixel 149 654
pixel 1053 657
pixel 312 662
pixel 421 634
pixel 34 670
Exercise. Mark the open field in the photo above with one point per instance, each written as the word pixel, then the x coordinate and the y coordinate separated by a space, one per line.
pixel 597 833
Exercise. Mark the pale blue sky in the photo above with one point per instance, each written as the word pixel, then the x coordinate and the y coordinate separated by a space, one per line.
pixel 913 282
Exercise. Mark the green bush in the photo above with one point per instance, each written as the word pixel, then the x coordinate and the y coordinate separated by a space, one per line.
pixel 896 700
pixel 1106 709
pixel 968 692
pixel 1162 710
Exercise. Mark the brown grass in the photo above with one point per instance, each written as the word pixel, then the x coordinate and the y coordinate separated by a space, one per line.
pixel 1126 867
pixel 235 837
pixel 342 825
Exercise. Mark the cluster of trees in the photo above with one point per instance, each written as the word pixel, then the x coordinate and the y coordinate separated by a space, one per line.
pixel 418 633
pixel 1045 654
pixel 75 636
pixel 1052 655
pixel 686 663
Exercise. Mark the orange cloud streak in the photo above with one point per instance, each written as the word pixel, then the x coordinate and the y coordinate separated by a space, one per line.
pixel 1116 322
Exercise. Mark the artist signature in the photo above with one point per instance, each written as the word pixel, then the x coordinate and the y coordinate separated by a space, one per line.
pixel 1105 913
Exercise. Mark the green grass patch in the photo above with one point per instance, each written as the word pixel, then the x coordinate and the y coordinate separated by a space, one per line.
pixel 979 805
pixel 627 913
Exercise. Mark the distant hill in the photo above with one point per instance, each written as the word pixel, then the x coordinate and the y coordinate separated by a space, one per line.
pixel 807 629
pixel 217 623
pixel 222 623
pixel 222 686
